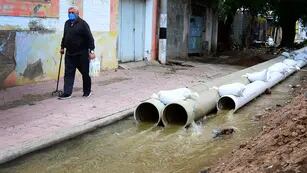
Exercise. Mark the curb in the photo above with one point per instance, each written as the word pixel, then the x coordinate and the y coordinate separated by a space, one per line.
pixel 14 152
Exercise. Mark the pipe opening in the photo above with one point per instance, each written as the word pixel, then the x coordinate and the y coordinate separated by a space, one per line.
pixel 147 112
pixel 226 103
pixel 175 114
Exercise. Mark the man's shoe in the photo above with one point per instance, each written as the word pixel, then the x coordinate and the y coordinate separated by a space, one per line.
pixel 87 94
pixel 64 96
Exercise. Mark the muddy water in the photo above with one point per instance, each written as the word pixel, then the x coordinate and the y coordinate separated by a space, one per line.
pixel 128 147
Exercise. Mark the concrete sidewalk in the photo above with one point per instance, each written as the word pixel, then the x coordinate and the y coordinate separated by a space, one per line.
pixel 31 119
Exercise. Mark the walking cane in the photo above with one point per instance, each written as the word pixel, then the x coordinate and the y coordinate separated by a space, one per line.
pixel 57 91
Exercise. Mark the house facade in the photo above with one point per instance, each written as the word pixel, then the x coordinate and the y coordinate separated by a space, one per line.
pixel 124 31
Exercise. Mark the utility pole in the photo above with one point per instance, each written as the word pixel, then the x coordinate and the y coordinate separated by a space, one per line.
pixel 163 31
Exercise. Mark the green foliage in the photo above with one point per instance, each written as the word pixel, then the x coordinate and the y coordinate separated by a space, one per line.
pixel 275 8
pixel 284 13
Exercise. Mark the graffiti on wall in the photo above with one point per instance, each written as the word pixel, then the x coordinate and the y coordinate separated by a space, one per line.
pixel 26 58
pixel 7 61
pixel 37 8
pixel 36 60
pixel 32 56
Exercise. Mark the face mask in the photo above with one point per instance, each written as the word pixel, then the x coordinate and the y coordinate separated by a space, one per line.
pixel 72 16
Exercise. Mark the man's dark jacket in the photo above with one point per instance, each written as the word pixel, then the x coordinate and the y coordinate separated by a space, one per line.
pixel 77 37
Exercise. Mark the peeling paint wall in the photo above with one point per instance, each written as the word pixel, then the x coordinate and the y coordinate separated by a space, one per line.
pixel 29 46
pixel 7 60
pixel 177 28
pixel 33 47
pixel 22 23
pixel 40 8
pixel 106 53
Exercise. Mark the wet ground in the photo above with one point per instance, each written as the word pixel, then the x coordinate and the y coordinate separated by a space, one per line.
pixel 30 119
pixel 281 146
pixel 128 147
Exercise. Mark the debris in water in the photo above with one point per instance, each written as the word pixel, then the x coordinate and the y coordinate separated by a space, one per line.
pixel 257 117
pixel 294 86
pixel 222 132
pixel 268 109
pixel 268 91
pixel 206 170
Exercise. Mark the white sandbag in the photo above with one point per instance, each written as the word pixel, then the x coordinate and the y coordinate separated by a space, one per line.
pixel 235 89
pixel 171 96
pixel 279 67
pixel 270 41
pixel 257 76
pixel 193 96
pixel 300 56
pixel 273 76
pixel 293 54
pixel 290 62
pixel 301 63
pixel 286 54
pixel 155 96
pixel 253 88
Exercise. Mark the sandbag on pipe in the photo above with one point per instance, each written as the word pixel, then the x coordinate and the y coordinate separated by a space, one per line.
pixel 231 102
pixel 300 56
pixel 208 97
pixel 286 54
pixel 279 67
pixel 257 76
pixel 290 62
pixel 301 63
pixel 170 96
pixel 235 89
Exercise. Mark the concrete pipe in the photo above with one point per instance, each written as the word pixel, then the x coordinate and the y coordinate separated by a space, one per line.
pixel 184 112
pixel 252 90
pixel 149 111
pixel 179 113
pixel 194 110
pixel 234 77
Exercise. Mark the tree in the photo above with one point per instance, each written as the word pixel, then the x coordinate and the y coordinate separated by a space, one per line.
pixel 227 11
pixel 286 13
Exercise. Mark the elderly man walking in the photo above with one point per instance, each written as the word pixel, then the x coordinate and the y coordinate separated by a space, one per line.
pixel 79 44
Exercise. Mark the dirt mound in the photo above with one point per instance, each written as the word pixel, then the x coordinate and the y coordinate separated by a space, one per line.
pixel 280 148
pixel 244 58
pixel 247 61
